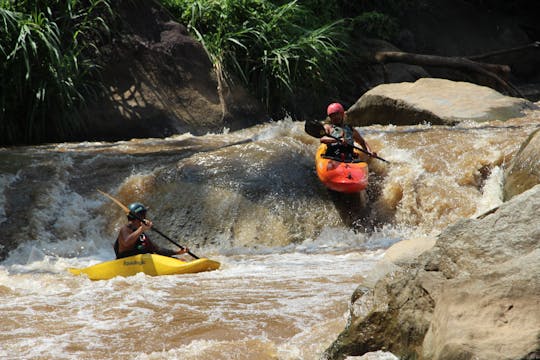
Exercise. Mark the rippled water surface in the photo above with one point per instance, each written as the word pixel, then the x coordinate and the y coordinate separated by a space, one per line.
pixel 291 252
pixel 286 306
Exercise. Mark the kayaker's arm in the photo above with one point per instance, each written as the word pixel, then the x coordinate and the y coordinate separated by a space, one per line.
pixel 168 252
pixel 329 139
pixel 128 237
pixel 138 211
pixel 316 129
pixel 360 140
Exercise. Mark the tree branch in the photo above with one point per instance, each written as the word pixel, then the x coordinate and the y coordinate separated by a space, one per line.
pixel 494 71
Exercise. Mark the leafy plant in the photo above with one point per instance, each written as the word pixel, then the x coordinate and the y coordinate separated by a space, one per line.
pixel 375 24
pixel 47 51
pixel 275 48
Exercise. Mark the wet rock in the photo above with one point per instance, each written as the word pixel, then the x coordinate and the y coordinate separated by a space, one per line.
pixel 524 170
pixel 435 101
pixel 475 295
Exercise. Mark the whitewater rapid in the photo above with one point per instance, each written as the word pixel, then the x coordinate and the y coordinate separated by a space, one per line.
pixel 291 253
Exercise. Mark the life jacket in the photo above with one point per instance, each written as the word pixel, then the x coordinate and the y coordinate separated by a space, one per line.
pixel 340 151
pixel 344 131
pixel 141 246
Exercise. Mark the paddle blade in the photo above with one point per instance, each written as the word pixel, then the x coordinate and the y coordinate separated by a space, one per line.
pixel 314 128
pixel 124 207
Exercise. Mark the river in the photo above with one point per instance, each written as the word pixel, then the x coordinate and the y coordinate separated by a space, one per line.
pixel 291 253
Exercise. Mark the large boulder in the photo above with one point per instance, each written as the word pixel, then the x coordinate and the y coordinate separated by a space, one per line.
pixel 524 170
pixel 475 295
pixel 160 81
pixel 435 101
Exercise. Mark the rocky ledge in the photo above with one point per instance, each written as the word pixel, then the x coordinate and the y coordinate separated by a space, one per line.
pixel 474 295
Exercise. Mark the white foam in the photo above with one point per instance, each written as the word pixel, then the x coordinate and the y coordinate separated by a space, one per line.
pixel 492 192
pixel 275 130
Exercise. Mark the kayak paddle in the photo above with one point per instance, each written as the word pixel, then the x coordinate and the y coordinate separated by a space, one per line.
pixel 316 129
pixel 129 212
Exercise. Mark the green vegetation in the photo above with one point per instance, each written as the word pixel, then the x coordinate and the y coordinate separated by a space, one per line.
pixel 290 54
pixel 276 48
pixel 48 51
pixel 375 24
pixel 283 49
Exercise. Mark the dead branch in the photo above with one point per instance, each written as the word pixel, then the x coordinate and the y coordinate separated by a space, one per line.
pixel 494 71
pixel 534 45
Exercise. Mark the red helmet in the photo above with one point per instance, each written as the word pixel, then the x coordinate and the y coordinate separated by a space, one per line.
pixel 335 108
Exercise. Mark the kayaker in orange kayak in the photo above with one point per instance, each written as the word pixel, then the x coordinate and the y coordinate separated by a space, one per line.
pixel 342 149
pixel 132 239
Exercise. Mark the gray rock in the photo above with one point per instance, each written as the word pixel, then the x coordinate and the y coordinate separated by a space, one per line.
pixel 524 170
pixel 475 295
pixel 435 101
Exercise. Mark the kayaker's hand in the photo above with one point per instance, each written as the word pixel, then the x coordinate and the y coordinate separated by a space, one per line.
pixel 146 225
pixel 182 251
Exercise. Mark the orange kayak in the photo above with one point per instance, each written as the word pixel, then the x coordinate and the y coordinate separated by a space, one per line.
pixel 345 177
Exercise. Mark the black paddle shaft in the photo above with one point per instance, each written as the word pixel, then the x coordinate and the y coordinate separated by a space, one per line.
pixel 174 242
pixel 316 129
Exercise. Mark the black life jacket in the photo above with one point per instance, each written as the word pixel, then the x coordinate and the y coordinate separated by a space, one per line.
pixel 141 246
pixel 339 151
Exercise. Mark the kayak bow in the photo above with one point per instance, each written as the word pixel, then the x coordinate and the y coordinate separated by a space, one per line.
pixel 345 177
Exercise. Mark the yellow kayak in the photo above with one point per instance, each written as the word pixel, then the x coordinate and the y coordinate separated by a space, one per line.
pixel 150 264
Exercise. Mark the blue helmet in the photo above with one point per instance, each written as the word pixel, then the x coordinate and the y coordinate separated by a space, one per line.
pixel 137 209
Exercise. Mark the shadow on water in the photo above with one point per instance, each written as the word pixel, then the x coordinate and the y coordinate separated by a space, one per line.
pixel 282 172
pixel 357 210
pixel 352 208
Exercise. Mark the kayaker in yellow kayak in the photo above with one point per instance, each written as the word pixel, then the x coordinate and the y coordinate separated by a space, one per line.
pixel 132 239
pixel 335 127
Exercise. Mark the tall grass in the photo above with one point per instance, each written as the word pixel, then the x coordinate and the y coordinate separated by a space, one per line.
pixel 276 48
pixel 47 53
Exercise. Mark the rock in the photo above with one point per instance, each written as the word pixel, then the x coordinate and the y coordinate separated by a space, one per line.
pixel 524 170
pixel 435 101
pixel 377 355
pixel 475 295
pixel 407 250
pixel 160 82
pixel 491 316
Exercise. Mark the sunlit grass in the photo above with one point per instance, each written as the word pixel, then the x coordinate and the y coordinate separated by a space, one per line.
pixel 275 49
